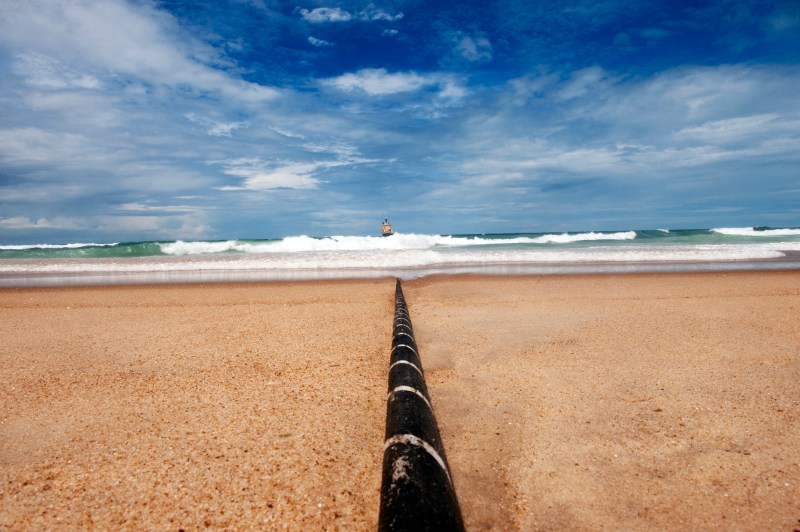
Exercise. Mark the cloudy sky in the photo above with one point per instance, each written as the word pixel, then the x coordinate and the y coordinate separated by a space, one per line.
pixel 189 119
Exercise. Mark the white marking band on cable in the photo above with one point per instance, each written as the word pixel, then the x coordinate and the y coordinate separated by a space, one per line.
pixel 405 325
pixel 404 318
pixel 403 334
pixel 410 439
pixel 410 390
pixel 405 345
pixel 406 362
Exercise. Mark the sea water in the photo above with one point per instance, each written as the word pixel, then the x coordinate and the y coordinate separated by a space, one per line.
pixel 400 255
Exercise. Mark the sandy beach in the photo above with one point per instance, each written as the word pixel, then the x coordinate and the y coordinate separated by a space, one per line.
pixel 633 402
pixel 640 402
pixel 193 406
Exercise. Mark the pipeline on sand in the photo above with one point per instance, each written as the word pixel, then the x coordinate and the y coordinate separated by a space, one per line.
pixel 417 490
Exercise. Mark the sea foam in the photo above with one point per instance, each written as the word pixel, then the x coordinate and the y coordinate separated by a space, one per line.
pixel 404 255
pixel 752 231
pixel 396 242
pixel 56 246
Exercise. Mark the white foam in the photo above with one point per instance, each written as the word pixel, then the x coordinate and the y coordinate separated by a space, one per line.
pixel 407 258
pixel 194 248
pixel 55 246
pixel 752 231
pixel 396 242
pixel 567 238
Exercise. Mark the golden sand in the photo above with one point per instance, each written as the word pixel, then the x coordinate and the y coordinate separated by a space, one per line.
pixel 642 402
pixel 224 406
pixel 585 402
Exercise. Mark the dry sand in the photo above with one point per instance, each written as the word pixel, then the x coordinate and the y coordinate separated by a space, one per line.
pixel 642 402
pixel 223 406
pixel 584 402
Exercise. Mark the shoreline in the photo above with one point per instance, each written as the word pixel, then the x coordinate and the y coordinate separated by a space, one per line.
pixel 790 261
pixel 626 401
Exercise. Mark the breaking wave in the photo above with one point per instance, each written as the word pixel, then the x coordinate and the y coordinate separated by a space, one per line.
pixel 308 257
pixel 755 231
pixel 55 246
pixel 396 242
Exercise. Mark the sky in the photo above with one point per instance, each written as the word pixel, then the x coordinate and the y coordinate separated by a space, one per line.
pixel 126 120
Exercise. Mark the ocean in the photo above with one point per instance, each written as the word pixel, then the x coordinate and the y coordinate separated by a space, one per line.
pixel 401 255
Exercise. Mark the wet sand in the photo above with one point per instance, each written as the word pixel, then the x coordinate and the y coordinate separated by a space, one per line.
pixel 591 402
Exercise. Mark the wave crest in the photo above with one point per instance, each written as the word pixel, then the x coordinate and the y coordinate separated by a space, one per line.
pixel 396 242
pixel 752 231
pixel 21 247
pixel 567 238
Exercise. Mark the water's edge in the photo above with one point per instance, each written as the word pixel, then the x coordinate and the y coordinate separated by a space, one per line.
pixel 44 279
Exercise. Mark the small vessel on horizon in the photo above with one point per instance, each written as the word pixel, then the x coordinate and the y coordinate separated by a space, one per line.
pixel 386 228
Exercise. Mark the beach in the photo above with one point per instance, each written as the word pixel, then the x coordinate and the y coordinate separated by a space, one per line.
pixel 634 402
pixel 193 406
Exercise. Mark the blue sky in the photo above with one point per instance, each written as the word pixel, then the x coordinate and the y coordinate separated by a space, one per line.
pixel 137 120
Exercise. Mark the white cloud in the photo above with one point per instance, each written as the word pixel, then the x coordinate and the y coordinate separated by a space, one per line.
pixel 21 222
pixel 35 145
pixel 321 15
pixel 658 130
pixel 77 110
pixel 373 13
pixel 292 175
pixel 325 14
pixel 527 160
pixel 695 101
pixel 738 128
pixel 452 91
pixel 259 175
pixel 141 207
pixel 287 134
pixel 171 227
pixel 223 129
pixel 342 151
pixel 24 222
pixel 379 82
pixel 319 43
pixel 635 130
pixel 134 40
pixel 525 88
pixel 474 49
pixel 216 129
pixel 43 71
pixel 585 81
pixel 389 33
pixel 346 154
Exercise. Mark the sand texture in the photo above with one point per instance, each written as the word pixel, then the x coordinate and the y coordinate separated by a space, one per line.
pixel 635 402
pixel 254 407
pixel 644 402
